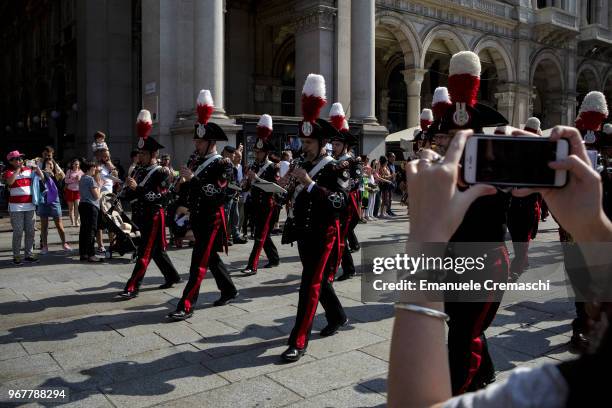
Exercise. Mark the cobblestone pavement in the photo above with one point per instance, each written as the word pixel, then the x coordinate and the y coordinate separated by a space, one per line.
pixel 61 327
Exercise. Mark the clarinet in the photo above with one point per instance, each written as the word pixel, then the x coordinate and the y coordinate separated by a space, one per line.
pixel 292 182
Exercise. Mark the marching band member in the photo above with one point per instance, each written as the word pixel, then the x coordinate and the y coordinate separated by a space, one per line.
pixel 148 190
pixel 263 202
pixel 318 201
pixel 203 193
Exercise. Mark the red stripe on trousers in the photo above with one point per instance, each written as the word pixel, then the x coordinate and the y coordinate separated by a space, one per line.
pixel 264 235
pixel 145 259
pixel 315 287
pixel 203 263
pixel 477 346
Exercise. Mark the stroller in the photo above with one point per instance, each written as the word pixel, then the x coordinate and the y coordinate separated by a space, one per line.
pixel 124 234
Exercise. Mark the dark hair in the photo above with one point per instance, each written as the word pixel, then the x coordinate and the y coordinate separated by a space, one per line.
pixel 88 164
pixel 383 160
pixel 389 154
pixel 133 153
pixel 49 149
pixel 72 161
pixel 99 133
pixel 372 162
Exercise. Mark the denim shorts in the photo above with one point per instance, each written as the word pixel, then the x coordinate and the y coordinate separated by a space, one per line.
pixel 52 210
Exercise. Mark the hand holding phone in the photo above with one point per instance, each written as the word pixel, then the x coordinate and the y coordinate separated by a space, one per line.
pixel 518 161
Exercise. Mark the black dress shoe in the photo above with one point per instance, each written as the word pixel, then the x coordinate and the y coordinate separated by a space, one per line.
pixel 346 276
pixel 239 240
pixel 579 342
pixel 179 315
pixel 248 272
pixel 127 295
pixel 293 354
pixel 271 265
pixel 225 299
pixel 168 285
pixel 331 329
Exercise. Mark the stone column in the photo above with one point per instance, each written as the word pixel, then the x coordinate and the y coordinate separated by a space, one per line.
pixel 208 51
pixel 384 106
pixel 414 79
pixel 362 61
pixel 314 49
pixel 506 104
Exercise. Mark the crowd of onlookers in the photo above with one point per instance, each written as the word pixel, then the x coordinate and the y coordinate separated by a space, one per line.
pixel 40 188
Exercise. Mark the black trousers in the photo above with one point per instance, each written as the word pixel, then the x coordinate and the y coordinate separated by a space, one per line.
pixel 152 246
pixel 348 266
pixel 468 354
pixel 353 241
pixel 264 223
pixel 89 226
pixel 319 261
pixel 204 257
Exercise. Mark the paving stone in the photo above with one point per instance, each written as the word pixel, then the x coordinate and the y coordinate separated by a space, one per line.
pixel 160 387
pixel 254 362
pixel 236 342
pixel 108 351
pixel 324 375
pixel 27 366
pixel 517 316
pixel 347 397
pixel 257 392
pixel 530 340
pixel 345 340
pixel 380 350
pixel 11 350
pixel 69 341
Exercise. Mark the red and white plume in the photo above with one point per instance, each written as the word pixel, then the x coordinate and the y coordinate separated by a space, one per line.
pixel 345 126
pixel 441 102
pixel 426 118
pixel 337 115
pixel 533 125
pixel 313 97
pixel 264 126
pixel 205 106
pixel 464 78
pixel 593 111
pixel 144 124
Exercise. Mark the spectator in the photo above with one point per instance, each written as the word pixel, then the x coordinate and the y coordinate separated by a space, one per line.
pixel 89 208
pixel 385 182
pixel 164 161
pixel 71 191
pixel 107 178
pixel 50 206
pixel 393 171
pixel 134 158
pixel 578 208
pixel 373 189
pixel 231 202
pixel 99 142
pixel 21 208
pixel 120 170
pixel 286 158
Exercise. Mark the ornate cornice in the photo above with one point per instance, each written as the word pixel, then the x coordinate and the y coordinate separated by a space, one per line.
pixel 318 17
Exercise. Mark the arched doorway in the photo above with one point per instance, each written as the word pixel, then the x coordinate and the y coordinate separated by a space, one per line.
pixel 548 84
pixel 438 48
pixel 397 54
pixel 586 82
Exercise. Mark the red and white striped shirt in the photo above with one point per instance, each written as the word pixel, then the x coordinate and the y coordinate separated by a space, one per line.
pixel 20 192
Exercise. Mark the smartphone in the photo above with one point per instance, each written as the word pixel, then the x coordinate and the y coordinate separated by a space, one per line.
pixel 518 161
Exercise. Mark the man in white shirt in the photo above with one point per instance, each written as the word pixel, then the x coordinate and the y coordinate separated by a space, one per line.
pixel 108 175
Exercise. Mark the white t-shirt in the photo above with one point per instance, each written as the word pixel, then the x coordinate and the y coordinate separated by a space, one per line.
pixel 108 183
pixel 284 167
pixel 539 387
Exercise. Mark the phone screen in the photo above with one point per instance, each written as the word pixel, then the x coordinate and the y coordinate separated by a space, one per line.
pixel 517 161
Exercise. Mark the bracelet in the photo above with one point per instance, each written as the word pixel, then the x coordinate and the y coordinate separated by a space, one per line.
pixel 423 310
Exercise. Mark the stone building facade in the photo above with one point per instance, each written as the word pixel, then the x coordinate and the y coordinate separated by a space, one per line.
pixel 381 58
